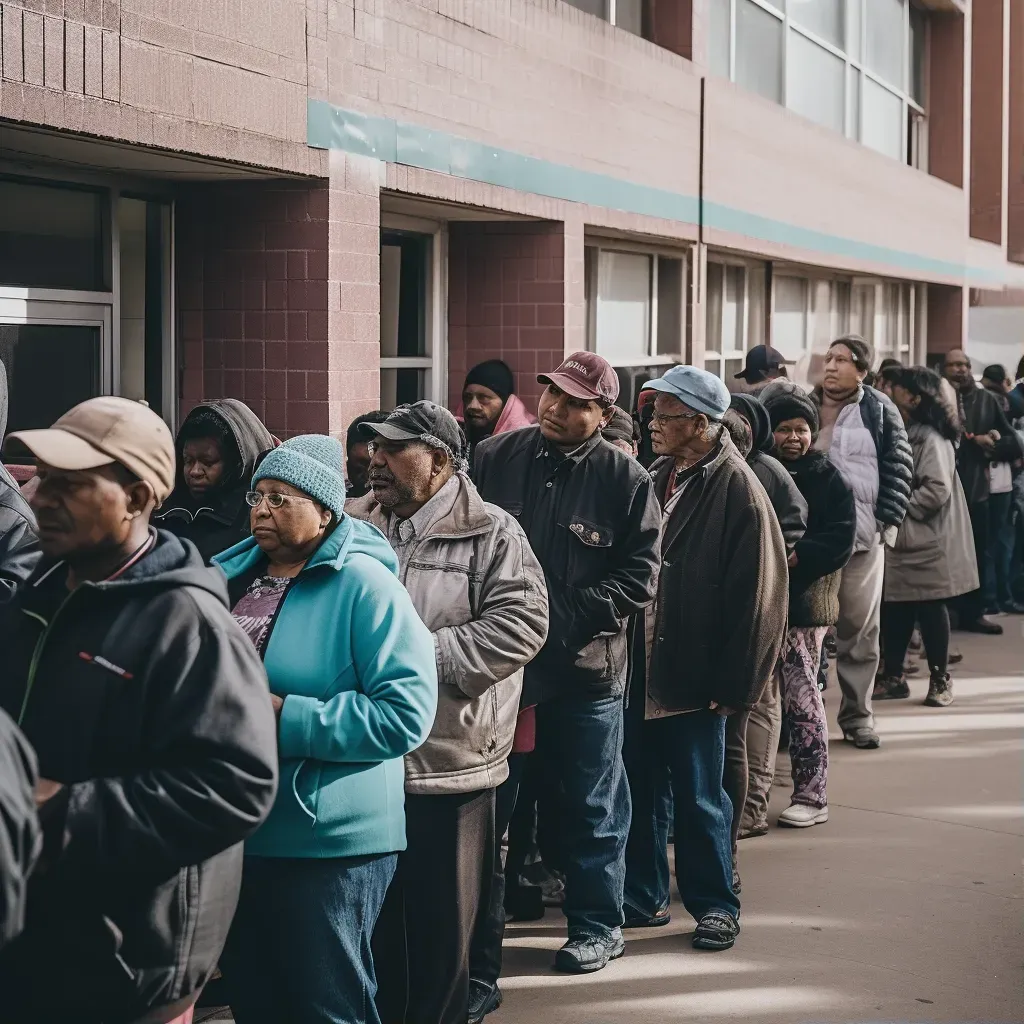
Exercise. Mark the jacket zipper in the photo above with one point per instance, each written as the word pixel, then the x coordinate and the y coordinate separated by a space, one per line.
pixel 37 651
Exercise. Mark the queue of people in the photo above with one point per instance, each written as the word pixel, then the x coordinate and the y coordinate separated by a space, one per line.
pixel 269 708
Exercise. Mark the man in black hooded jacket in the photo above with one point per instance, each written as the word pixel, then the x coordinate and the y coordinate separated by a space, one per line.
pixel 150 714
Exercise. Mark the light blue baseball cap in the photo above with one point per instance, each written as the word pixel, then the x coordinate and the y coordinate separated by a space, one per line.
pixel 700 390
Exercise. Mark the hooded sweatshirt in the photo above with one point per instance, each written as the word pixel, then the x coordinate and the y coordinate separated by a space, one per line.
pixel 356 700
pixel 218 519
pixel 19 547
pixel 145 700
pixel 787 501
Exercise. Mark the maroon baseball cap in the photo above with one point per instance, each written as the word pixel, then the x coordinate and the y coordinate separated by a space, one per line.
pixel 585 375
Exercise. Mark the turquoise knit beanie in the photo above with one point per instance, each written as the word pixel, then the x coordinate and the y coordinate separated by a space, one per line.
pixel 312 463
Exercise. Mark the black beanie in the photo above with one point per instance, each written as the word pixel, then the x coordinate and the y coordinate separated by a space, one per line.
pixel 757 416
pixel 494 375
pixel 790 403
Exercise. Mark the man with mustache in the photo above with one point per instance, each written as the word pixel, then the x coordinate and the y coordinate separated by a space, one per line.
pixel 479 589
pixel 591 517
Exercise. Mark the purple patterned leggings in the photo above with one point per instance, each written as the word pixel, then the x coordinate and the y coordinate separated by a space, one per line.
pixel 804 712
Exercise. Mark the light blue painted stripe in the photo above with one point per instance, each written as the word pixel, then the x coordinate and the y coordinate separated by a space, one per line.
pixel 331 127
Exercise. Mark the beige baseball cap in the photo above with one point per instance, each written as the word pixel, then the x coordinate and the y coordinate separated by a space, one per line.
pixel 105 430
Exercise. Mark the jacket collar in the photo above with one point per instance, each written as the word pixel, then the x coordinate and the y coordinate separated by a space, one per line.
pixel 467 518
pixel 247 553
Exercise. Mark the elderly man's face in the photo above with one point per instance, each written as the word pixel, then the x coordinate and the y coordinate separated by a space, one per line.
pixel 404 474
pixel 674 426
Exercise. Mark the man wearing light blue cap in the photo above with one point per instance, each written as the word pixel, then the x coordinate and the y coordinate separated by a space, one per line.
pixel 713 637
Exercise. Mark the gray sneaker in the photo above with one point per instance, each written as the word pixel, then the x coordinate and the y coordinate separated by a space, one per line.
pixel 940 691
pixel 863 738
pixel 584 954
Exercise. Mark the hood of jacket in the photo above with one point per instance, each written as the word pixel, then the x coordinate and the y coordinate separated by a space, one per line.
pixel 514 415
pixel 251 438
pixel 757 416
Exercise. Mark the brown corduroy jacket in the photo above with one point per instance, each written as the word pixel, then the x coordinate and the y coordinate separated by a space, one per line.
pixel 723 590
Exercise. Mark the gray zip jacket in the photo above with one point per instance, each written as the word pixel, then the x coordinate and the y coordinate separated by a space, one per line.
pixel 478 587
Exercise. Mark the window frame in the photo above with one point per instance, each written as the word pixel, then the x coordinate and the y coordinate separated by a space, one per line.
pixel 724 356
pixel 855 68
pixel 611 8
pixel 597 245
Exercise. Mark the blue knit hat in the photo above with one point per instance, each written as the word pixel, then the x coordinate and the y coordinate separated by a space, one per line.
pixel 311 462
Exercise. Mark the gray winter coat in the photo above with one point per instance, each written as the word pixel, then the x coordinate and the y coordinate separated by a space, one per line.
pixel 934 557
pixel 478 587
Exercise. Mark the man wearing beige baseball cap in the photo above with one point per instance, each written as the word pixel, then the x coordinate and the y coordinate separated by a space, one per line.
pixel 150 714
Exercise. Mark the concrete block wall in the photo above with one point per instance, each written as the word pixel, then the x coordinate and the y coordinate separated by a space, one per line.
pixel 252 276
pixel 506 300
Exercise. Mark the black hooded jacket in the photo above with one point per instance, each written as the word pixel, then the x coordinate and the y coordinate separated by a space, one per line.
pixel 146 701
pixel 827 544
pixel 19 547
pixel 787 501
pixel 217 520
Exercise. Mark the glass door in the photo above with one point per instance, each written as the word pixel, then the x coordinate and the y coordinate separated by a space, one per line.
pixel 55 355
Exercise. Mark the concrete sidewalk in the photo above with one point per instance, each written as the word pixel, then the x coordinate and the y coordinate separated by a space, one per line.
pixel 906 906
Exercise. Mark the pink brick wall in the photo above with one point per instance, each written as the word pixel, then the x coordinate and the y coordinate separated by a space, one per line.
pixel 252 300
pixel 506 300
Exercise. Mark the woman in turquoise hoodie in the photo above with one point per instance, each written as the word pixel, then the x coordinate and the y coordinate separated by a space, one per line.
pixel 354 685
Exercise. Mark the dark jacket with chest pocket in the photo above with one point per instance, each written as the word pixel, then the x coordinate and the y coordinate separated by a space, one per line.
pixel 597 544
pixel 19 547
pixel 827 544
pixel 722 594
pixel 217 521
pixel 145 700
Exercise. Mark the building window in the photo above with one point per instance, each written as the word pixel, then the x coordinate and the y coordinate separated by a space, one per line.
pixel 734 315
pixel 627 14
pixel 809 313
pixel 635 305
pixel 856 66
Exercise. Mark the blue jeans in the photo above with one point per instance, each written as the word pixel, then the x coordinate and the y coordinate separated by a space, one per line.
pixel 580 744
pixel 995 583
pixel 299 946
pixel 686 753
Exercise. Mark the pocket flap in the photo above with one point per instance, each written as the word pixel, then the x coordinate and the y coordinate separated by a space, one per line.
pixel 592 534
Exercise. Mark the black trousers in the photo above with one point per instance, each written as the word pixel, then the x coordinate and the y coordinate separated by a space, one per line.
pixel 898 618
pixel 421 942
pixel 737 769
pixel 485 949
pixel 971 607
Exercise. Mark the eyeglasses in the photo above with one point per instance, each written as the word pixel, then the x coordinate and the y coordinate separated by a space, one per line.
pixel 660 417
pixel 255 498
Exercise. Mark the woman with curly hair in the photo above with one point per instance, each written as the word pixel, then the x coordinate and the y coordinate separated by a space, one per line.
pixel 933 559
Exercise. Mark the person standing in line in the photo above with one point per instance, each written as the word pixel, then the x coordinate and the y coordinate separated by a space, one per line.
pixel 591 517
pixel 149 714
pixel 815 568
pixel 997 593
pixel 20 835
pixel 863 434
pixel 490 404
pixel 752 738
pixel 987 438
pixel 480 591
pixel 215 451
pixel 357 456
pixel 713 637
pixel 933 559
pixel 623 431
pixel 763 365
pixel 353 682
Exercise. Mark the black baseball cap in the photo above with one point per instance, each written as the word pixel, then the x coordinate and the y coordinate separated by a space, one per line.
pixel 760 360
pixel 421 421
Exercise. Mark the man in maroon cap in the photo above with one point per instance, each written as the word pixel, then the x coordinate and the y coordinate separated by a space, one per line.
pixel 592 518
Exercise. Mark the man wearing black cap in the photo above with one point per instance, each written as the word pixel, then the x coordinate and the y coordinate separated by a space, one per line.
pixel 478 588
pixel 593 521
pixel 490 404
pixel 764 364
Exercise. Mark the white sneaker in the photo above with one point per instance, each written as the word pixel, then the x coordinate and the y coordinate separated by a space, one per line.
pixel 803 816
